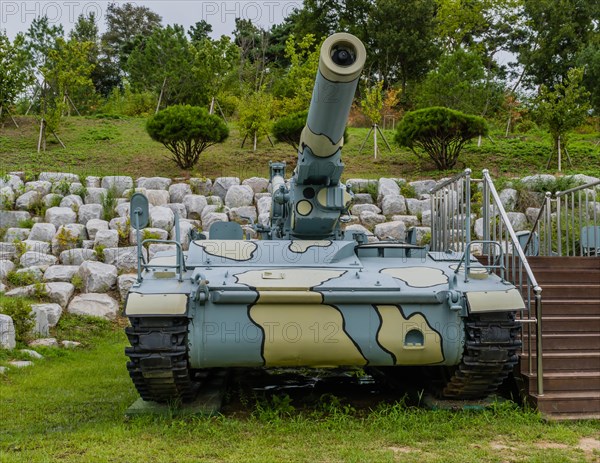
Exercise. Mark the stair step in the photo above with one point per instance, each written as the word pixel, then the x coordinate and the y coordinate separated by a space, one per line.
pixel 571 291
pixel 567 381
pixel 563 361
pixel 566 342
pixel 579 404
pixel 565 276
pixel 566 307
pixel 563 262
pixel 553 324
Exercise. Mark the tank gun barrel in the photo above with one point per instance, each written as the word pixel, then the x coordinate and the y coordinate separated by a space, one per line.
pixel 341 62
pixel 312 205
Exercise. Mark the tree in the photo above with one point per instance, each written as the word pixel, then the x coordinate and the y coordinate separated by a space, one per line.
pixel 126 24
pixel 372 103
pixel 162 63
pixel 40 38
pixel 200 31
pixel 67 70
pixel 255 115
pixel 461 82
pixel 296 85
pixel 253 43
pixel 402 40
pixel 86 30
pixel 589 59
pixel 564 107
pixel 214 66
pixel 14 75
pixel 554 34
pixel 440 132
pixel 186 131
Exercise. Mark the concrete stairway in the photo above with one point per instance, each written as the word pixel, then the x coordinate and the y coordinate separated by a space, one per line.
pixel 571 338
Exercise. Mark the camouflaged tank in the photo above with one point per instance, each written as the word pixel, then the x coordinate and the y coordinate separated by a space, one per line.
pixel 308 294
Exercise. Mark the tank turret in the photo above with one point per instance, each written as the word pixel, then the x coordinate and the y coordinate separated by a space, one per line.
pixel 311 206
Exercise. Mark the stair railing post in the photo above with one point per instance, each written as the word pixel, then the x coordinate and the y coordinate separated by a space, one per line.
pixel 538 340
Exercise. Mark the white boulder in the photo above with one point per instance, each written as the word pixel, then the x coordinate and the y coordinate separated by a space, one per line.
pixel 58 216
pixel 94 305
pixel 178 191
pixel 42 232
pixel 97 277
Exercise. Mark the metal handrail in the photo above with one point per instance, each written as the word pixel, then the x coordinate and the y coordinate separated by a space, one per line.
pixel 451 230
pixel 492 198
pixel 562 218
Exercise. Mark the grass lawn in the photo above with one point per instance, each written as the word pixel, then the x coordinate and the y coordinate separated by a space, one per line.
pixel 69 407
pixel 100 146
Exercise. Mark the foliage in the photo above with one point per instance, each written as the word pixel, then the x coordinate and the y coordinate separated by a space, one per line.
pixel 14 75
pixel 296 87
pixel 39 39
pixel 20 278
pixel 440 132
pixel 67 70
pixel 126 24
pixel 552 37
pixel 65 240
pixel 589 59
pixel 289 128
pixel 372 103
pixel 565 107
pixel 398 30
pixel 77 280
pixel 108 200
pixel 255 114
pixel 19 309
pixel 162 63
pixel 215 65
pixel 127 103
pixel 461 82
pixel 186 131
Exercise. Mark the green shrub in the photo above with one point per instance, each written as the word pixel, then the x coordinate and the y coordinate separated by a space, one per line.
pixel 186 131
pixel 81 192
pixel 63 187
pixel 77 281
pixel 109 203
pixel 20 279
pixel 99 250
pixel 38 207
pixel 26 223
pixel 289 128
pixel 440 132
pixel 39 291
pixel 19 310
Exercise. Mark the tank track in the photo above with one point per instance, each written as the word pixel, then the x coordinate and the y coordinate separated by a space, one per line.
pixel 158 356
pixel 492 342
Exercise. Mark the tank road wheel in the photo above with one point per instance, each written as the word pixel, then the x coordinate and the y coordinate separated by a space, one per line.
pixel 158 359
pixel 492 342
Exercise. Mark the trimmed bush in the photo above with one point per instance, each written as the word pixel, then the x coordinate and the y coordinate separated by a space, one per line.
pixel 440 132
pixel 289 128
pixel 186 131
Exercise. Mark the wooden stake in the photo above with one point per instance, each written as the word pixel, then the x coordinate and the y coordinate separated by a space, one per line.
pixel 73 104
pixel 161 95
pixel 39 145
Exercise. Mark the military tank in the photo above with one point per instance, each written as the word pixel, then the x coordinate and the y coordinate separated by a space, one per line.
pixel 308 293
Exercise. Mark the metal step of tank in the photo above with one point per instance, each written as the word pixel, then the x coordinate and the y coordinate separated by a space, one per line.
pixel 570 338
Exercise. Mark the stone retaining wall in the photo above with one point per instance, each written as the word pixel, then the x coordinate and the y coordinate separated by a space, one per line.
pixel 86 263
